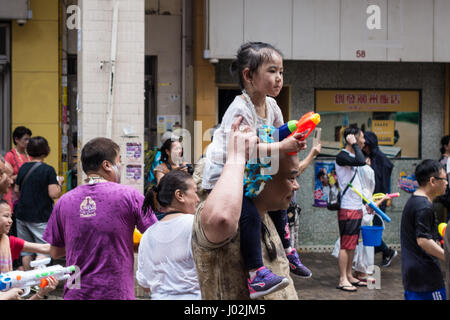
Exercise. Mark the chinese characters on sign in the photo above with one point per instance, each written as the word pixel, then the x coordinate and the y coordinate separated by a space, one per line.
pixel 393 115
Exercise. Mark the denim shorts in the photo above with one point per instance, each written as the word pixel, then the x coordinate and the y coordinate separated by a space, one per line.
pixel 31 232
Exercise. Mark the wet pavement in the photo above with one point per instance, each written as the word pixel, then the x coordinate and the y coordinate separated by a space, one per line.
pixel 322 284
pixel 325 278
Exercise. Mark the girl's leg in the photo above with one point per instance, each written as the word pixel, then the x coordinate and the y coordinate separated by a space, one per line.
pixel 280 220
pixel 250 232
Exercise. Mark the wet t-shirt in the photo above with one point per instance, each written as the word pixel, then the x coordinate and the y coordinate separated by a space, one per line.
pixel 421 272
pixel 95 223
pixel 221 270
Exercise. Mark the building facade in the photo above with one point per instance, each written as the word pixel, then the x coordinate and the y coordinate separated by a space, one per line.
pixel 72 70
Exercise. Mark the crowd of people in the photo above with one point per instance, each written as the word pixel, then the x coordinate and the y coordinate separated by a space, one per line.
pixel 232 240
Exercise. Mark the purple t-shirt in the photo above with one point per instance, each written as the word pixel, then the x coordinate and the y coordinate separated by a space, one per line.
pixel 95 223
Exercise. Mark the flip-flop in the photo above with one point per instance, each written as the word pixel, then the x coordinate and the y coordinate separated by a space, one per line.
pixel 347 288
pixel 359 283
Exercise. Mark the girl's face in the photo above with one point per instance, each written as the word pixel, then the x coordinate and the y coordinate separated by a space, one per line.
pixel 5 219
pixel 268 79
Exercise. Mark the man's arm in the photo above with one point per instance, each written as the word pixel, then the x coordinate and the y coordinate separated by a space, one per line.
pixel 57 252
pixel 220 215
pixel 431 247
pixel 315 151
pixel 344 159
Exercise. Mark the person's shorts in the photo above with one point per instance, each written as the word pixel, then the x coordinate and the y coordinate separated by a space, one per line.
pixel 349 227
pixel 31 232
pixel 429 295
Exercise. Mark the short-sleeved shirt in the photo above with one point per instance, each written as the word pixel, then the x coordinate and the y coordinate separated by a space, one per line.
pixel 347 164
pixel 166 265
pixel 16 246
pixel 421 272
pixel 447 258
pixel 216 152
pixel 95 224
pixel 16 160
pixel 35 205
pixel 221 269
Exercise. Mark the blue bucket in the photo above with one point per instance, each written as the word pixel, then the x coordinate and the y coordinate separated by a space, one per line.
pixel 372 235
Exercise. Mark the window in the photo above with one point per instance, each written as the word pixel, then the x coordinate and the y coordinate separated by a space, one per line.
pixel 3 34
pixel 393 115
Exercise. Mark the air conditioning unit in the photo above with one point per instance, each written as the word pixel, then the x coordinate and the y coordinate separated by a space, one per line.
pixel 15 10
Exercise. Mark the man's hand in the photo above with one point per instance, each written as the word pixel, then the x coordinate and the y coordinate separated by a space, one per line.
pixel 316 149
pixel 351 139
pixel 242 142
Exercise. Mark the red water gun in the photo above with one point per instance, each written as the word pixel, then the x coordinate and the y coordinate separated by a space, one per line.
pixel 306 125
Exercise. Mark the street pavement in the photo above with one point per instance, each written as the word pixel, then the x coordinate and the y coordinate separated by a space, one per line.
pixel 322 284
pixel 325 278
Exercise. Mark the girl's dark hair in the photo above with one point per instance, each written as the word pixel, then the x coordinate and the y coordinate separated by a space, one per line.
pixel 252 55
pixel 165 149
pixel 426 169
pixel 96 151
pixel 165 190
pixel 38 147
pixel 19 132
pixel 444 141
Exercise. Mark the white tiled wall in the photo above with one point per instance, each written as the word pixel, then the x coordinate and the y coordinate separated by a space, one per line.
pixel 96 28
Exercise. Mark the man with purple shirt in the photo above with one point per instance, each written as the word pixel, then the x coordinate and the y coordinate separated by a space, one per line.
pixel 93 226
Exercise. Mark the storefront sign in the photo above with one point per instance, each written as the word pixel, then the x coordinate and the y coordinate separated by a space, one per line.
pixel 367 101
pixel 384 129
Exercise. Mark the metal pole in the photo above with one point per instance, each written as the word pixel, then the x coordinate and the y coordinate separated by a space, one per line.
pixel 113 69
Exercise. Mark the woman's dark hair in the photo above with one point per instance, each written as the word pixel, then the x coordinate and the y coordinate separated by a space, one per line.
pixel 38 147
pixel 252 55
pixel 165 190
pixel 426 169
pixel 96 151
pixel 444 141
pixel 165 149
pixel 19 132
pixel 351 130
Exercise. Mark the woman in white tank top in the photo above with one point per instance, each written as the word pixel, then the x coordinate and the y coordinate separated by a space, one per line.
pixel 165 263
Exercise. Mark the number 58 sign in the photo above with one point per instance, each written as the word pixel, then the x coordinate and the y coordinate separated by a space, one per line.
pixel 360 53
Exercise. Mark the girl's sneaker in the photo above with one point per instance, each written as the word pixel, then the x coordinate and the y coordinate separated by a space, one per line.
pixel 296 266
pixel 265 282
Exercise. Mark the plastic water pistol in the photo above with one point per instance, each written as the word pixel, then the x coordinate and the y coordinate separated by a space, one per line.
pixel 378 196
pixel 306 124
pixel 26 279
pixel 441 228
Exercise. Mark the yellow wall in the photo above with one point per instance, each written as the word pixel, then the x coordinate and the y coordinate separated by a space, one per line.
pixel 35 75
pixel 205 89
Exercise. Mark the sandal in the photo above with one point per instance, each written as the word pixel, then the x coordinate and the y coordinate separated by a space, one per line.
pixel 347 288
pixel 359 283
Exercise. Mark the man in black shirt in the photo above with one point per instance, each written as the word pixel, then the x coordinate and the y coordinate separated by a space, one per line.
pixel 421 272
